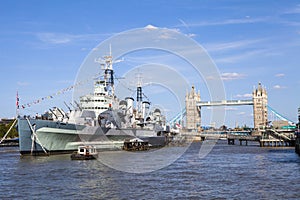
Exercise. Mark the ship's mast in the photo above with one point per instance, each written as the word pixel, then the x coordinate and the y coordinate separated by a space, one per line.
pixel 109 73
pixel 139 93
pixel 17 105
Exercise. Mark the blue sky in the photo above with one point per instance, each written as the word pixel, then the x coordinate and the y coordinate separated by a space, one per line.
pixel 43 43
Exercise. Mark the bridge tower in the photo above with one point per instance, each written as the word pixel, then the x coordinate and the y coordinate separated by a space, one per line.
pixel 193 116
pixel 260 110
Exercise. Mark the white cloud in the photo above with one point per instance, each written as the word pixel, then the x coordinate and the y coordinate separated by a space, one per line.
pixel 241 113
pixel 210 78
pixel 166 36
pixel 169 35
pixel 19 83
pixel 279 75
pixel 227 76
pixel 184 24
pixel 248 95
pixel 278 87
pixel 64 38
pixel 230 45
pixel 239 57
pixel 230 109
pixel 55 38
pixel 191 35
pixel 290 23
pixel 231 76
pixel 245 20
pixel 295 10
pixel 151 27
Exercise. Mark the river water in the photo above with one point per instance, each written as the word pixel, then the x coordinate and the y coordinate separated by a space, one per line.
pixel 228 171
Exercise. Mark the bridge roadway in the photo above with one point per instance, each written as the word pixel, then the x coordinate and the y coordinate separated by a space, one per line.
pixel 225 103
pixel 214 103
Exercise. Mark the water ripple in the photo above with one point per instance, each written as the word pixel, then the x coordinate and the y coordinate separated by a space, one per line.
pixel 234 172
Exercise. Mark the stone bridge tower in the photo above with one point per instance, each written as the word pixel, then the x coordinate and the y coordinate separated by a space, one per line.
pixel 260 110
pixel 193 116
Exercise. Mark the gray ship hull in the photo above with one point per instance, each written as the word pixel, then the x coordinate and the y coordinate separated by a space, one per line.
pixel 57 138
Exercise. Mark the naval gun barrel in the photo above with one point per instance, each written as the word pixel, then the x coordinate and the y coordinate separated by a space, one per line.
pixel 67 106
pixel 53 113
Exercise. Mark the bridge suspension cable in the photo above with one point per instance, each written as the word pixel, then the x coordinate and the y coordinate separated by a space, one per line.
pixel 280 116
pixel 179 116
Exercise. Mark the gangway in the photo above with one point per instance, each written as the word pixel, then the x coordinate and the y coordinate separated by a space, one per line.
pixel 277 135
pixel 272 137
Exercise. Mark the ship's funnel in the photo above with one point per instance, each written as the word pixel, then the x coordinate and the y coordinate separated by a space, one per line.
pixel 145 109
pixel 157 115
pixel 157 112
pixel 123 105
pixel 129 101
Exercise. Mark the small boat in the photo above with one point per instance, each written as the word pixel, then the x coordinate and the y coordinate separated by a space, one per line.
pixel 85 153
pixel 136 144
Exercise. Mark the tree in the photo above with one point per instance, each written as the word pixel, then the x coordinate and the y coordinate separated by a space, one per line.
pixel 223 128
pixel 4 128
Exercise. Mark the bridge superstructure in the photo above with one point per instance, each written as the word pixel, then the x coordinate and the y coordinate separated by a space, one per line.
pixel 265 133
pixel 259 102
pixel 225 103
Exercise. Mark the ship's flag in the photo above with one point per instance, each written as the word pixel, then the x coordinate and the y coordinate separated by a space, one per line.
pixel 178 125
pixel 17 101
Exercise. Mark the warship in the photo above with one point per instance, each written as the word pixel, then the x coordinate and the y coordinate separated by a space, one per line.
pixel 100 119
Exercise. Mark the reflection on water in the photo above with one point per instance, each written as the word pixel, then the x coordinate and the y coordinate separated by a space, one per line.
pixel 235 172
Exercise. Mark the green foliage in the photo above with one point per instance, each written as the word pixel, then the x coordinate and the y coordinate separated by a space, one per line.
pixel 246 128
pixel 4 128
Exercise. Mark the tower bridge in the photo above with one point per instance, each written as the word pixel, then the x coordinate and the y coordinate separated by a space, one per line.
pixel 259 102
pixel 266 135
